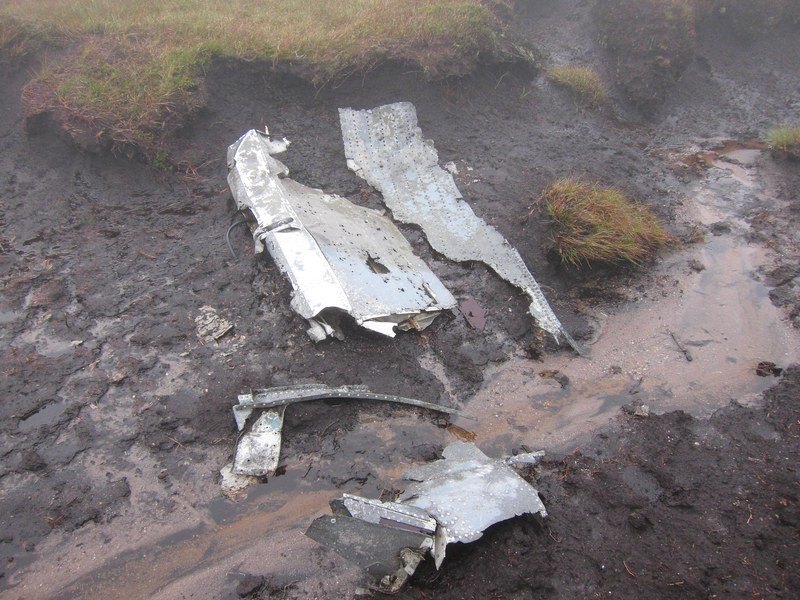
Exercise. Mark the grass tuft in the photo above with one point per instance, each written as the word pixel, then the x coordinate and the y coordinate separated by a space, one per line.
pixel 593 224
pixel 786 139
pixel 584 82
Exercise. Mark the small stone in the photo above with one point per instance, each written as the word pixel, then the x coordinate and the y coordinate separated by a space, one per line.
pixel 642 411
pixel 720 227
pixel 557 375
pixel 638 520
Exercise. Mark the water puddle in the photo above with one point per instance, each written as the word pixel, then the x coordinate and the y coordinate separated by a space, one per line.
pixel 143 572
pixel 46 344
pixel 9 316
pixel 720 317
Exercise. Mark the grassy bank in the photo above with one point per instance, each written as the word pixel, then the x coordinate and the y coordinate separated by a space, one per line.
pixel 130 69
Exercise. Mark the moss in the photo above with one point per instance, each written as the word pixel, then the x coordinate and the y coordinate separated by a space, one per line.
pixel 592 224
pixel 122 88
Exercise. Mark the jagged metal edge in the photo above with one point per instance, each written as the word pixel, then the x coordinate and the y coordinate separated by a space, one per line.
pixel 367 135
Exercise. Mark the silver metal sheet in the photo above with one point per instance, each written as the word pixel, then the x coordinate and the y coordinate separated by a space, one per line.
pixel 467 491
pixel 395 514
pixel 258 450
pixel 336 254
pixel 386 148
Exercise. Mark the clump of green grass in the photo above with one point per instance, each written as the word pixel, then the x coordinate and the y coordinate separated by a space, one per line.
pixel 786 139
pixel 593 224
pixel 584 82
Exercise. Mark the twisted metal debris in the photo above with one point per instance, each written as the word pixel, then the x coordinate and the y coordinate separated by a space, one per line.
pixel 450 500
pixel 339 257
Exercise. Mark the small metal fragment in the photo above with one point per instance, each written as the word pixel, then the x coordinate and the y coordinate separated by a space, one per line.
pixel 527 458
pixel 258 450
pixel 210 325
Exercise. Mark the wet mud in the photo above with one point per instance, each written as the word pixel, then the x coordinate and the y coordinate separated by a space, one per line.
pixel 116 414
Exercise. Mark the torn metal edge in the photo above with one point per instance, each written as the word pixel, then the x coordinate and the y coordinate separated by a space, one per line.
pixel 338 256
pixel 385 147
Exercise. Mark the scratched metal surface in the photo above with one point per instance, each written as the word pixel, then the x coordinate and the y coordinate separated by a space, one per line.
pixel 467 492
pixel 335 253
pixel 258 450
pixel 385 146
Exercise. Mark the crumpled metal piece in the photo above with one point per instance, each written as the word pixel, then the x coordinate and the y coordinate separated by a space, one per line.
pixel 467 492
pixel 451 500
pixel 339 257
pixel 385 147
pixel 258 449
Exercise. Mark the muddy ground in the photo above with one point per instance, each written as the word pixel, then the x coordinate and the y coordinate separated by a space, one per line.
pixel 668 505
pixel 116 416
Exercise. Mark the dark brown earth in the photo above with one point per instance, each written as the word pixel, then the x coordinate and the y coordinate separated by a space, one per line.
pixel 667 506
pixel 113 411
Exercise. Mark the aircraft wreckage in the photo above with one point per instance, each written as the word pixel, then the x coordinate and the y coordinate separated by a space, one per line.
pixel 344 259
